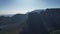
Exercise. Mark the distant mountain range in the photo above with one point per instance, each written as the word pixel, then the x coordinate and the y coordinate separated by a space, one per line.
pixel 6 15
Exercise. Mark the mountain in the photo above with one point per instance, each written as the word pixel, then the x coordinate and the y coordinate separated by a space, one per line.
pixel 19 18
pixel 41 21
pixel 15 19
pixel 7 15
pixel 50 18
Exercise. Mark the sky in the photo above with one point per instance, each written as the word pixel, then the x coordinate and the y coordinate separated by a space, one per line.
pixel 24 6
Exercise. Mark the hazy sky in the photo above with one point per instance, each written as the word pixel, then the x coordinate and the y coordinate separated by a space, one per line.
pixel 23 6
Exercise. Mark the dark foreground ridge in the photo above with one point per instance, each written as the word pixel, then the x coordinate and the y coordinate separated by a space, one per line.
pixel 35 22
pixel 43 21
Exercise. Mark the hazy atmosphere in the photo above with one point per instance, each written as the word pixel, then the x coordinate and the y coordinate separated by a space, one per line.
pixel 29 16
pixel 23 6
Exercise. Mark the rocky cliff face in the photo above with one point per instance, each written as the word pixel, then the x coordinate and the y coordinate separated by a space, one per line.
pixel 45 20
pixel 53 18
